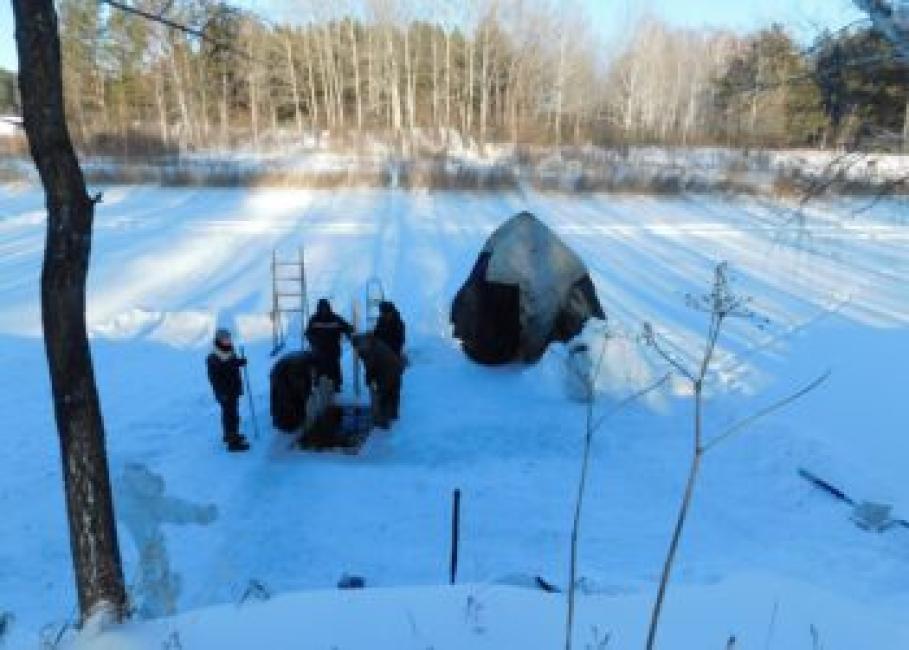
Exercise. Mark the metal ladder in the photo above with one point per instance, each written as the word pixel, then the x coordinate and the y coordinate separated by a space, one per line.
pixel 288 297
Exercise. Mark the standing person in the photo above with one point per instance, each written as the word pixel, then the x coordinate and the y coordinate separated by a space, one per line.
pixel 383 376
pixel 390 327
pixel 224 375
pixel 324 332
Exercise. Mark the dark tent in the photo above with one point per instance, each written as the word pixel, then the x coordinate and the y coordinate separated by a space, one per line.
pixel 526 289
pixel 291 384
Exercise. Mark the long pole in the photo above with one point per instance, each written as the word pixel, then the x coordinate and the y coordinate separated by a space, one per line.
pixel 355 316
pixel 249 395
pixel 304 300
pixel 455 535
pixel 275 313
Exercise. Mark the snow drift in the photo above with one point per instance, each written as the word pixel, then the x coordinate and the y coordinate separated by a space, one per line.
pixel 526 290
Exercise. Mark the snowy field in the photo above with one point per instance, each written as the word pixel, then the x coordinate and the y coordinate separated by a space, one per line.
pixel 765 556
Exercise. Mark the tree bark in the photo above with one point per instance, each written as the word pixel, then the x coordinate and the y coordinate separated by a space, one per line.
pixel 294 84
pixel 93 533
pixel 225 108
pixel 161 103
pixel 180 92
pixel 253 94
pixel 484 87
pixel 408 81
pixel 355 55
pixel 435 78
pixel 311 75
pixel 447 82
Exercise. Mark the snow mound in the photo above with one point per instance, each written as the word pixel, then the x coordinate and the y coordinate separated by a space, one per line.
pixel 772 612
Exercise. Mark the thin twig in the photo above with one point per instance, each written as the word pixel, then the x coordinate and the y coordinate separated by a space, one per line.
pixel 767 410
pixel 582 482
pixel 631 398
pixel 651 339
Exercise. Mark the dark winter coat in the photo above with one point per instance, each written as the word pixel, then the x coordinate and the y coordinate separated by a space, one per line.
pixel 291 385
pixel 382 365
pixel 390 330
pixel 324 333
pixel 224 375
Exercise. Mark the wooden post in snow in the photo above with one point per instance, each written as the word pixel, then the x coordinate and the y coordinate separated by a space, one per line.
pixel 455 535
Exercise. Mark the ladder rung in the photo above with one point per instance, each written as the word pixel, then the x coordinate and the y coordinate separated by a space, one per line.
pixel 297 264
pixel 288 295
pixel 297 279
pixel 288 310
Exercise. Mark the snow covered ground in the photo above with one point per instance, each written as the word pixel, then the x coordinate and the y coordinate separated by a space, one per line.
pixel 761 544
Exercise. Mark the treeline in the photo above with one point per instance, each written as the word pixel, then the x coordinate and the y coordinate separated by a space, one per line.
pixel 502 71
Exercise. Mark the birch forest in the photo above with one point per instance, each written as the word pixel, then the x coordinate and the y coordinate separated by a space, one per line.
pixel 487 71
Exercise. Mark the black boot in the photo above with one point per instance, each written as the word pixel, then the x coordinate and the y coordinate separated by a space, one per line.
pixel 236 442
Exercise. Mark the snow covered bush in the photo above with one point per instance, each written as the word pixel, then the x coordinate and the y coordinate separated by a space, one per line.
pixel 624 367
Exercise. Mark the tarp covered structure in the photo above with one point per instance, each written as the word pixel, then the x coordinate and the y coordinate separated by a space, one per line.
pixel 526 289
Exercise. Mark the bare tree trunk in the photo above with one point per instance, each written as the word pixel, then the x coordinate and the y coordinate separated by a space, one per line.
pixel 514 116
pixel 370 73
pixel 393 82
pixel 225 110
pixel 484 88
pixel 327 99
pixel 435 78
pixel 294 83
pixel 70 211
pixel 337 73
pixel 102 98
pixel 408 80
pixel 313 100
pixel 468 123
pixel 560 90
pixel 203 109
pixel 356 66
pixel 447 82
pixel 161 103
pixel 179 90
pixel 253 95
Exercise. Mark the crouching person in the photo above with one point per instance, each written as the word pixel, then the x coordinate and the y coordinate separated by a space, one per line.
pixel 224 375
pixel 383 376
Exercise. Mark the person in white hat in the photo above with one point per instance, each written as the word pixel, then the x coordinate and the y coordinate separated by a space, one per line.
pixel 224 375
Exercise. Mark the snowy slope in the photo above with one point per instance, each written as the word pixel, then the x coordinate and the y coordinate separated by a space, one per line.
pixel 170 264
pixel 492 617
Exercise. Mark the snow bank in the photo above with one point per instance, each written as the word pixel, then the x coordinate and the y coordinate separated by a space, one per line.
pixel 759 610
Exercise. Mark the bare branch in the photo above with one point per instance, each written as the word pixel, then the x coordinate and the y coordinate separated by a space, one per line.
pixel 649 337
pixel 631 398
pixel 172 24
pixel 776 406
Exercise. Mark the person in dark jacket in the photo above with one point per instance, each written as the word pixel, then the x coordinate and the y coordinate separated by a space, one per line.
pixel 383 376
pixel 291 380
pixel 324 332
pixel 224 375
pixel 390 327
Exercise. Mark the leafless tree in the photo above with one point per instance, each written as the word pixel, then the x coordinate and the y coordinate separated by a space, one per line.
pixel 93 533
